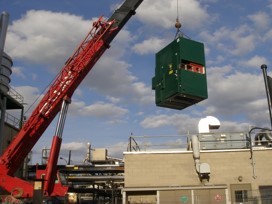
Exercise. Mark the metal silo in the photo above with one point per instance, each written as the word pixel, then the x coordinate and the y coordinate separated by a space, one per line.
pixel 5 72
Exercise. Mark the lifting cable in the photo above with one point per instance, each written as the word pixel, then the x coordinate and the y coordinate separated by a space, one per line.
pixel 178 25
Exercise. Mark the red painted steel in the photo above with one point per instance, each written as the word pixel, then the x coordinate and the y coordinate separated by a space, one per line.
pixel 74 71
pixel 64 85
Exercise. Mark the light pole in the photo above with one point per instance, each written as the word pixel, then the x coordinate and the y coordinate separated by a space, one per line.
pixel 266 82
pixel 64 160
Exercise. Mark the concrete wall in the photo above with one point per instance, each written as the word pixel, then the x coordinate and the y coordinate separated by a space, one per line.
pixel 8 134
pixel 232 168
pixel 159 169
pixel 175 169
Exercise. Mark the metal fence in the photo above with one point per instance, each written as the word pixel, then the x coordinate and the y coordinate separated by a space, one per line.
pixel 160 142
pixel 12 120
pixel 14 94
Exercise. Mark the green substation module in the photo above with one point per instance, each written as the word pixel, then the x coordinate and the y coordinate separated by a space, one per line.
pixel 180 74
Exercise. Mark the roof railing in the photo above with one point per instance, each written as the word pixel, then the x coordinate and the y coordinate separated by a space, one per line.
pixel 12 120
pixel 14 94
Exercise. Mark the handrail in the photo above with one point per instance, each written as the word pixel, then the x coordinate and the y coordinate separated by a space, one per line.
pixel 144 143
pixel 14 94
pixel 12 120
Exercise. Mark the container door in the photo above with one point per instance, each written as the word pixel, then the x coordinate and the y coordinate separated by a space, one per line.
pixel 175 197
pixel 211 196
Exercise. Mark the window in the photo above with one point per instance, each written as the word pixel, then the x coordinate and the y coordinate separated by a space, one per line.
pixel 193 67
pixel 241 193
pixel 241 196
pixel 266 194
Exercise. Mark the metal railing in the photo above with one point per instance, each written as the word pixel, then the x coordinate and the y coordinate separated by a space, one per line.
pixel 209 141
pixel 12 120
pixel 14 94
pixel 161 142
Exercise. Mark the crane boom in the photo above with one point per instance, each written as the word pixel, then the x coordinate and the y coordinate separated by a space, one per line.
pixel 64 85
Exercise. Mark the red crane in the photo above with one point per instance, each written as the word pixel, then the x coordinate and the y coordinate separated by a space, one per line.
pixel 60 91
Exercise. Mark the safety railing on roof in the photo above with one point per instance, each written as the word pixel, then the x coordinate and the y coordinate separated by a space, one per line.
pixel 207 141
pixel 161 142
pixel 12 120
pixel 14 94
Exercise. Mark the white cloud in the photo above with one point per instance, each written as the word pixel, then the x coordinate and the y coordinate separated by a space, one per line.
pixel 78 152
pixel 218 35
pixel 31 96
pixel 101 110
pixel 163 13
pixel 113 99
pixel 104 110
pixel 45 37
pixel 73 146
pixel 142 94
pixel 261 20
pixel 18 71
pixel 116 150
pixel 238 41
pixel 255 62
pixel 188 124
pixel 48 38
pixel 121 44
pixel 267 35
pixel 151 45
pixel 244 44
pixel 209 1
pixel 183 123
pixel 113 78
pixel 234 94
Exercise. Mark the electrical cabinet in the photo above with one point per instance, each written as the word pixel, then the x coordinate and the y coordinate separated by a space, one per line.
pixel 209 141
pixel 180 74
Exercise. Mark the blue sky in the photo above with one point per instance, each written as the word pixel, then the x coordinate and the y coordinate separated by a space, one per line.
pixel 116 99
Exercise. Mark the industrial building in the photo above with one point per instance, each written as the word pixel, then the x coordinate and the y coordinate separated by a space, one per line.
pixel 225 168
pixel 11 107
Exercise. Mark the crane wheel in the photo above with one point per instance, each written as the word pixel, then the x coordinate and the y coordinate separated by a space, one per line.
pixel 11 200
pixel 17 192
pixel 8 200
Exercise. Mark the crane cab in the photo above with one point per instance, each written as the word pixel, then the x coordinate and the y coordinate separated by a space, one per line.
pixel 180 74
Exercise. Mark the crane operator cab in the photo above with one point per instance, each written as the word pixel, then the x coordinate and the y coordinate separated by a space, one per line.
pixel 180 74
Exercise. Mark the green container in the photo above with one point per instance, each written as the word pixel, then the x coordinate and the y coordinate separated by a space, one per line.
pixel 180 74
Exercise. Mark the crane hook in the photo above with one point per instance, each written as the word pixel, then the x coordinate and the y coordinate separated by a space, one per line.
pixel 177 24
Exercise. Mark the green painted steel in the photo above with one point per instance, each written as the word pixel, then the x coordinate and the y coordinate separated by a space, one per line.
pixel 180 74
